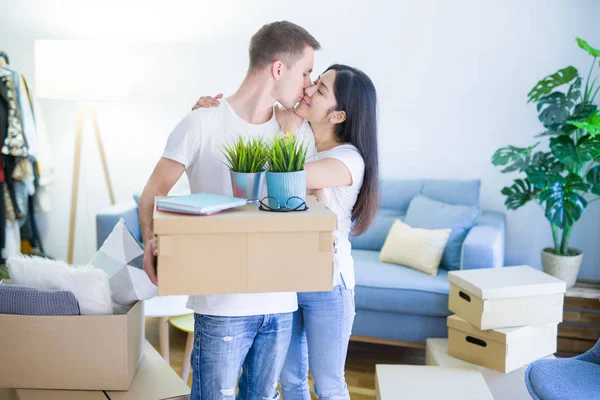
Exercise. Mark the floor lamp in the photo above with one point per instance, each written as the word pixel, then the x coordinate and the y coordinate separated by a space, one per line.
pixel 84 72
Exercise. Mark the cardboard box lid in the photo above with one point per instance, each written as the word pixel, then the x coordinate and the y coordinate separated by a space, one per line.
pixel 429 382
pixel 317 218
pixel 498 283
pixel 503 336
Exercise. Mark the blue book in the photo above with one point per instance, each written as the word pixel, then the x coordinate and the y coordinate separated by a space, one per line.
pixel 199 203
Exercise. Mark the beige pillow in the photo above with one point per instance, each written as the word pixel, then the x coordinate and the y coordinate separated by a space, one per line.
pixel 417 248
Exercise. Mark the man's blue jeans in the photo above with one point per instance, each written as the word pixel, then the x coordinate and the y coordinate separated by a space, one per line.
pixel 321 332
pixel 223 345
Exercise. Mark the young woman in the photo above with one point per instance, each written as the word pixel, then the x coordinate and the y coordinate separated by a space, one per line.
pixel 341 110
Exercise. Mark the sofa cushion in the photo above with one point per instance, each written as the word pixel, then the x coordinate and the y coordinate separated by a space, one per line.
pixel 463 192
pixel 394 326
pixel 425 212
pixel 395 288
pixel 396 194
pixel 374 237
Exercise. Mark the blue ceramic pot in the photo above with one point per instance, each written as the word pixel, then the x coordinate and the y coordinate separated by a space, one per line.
pixel 282 186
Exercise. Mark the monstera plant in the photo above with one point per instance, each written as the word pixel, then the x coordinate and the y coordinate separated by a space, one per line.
pixel 564 179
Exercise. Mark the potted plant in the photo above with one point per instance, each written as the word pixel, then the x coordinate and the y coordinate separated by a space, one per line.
pixel 286 178
pixel 246 159
pixel 564 179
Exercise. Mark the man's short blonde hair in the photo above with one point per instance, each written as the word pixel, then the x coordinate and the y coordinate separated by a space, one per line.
pixel 281 40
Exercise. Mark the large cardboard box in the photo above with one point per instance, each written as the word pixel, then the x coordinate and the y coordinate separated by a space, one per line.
pixel 503 386
pixel 155 380
pixel 417 382
pixel 86 352
pixel 245 250
pixel 503 350
pixel 506 297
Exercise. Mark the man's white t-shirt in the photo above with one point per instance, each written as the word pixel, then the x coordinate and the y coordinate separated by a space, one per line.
pixel 196 142
pixel 341 200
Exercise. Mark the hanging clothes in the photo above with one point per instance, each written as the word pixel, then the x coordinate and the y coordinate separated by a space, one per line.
pixel 14 143
pixel 4 112
pixel 20 167
pixel 27 118
pixel 4 106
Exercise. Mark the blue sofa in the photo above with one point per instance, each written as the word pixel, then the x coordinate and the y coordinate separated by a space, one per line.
pixel 394 304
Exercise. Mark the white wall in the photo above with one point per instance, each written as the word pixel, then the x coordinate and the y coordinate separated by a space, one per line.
pixel 452 79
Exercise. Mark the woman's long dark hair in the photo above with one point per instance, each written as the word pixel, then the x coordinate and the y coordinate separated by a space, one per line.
pixel 356 95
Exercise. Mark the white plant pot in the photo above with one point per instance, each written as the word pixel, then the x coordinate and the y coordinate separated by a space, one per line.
pixel 565 268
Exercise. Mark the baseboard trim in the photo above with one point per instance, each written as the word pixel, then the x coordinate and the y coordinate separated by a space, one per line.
pixel 388 342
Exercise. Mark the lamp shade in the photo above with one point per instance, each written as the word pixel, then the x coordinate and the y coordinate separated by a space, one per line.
pixel 79 70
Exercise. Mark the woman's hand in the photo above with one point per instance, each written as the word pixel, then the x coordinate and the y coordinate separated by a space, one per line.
pixel 208 102
pixel 288 121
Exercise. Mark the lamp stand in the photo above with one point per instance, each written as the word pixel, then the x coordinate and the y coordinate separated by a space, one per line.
pixel 82 110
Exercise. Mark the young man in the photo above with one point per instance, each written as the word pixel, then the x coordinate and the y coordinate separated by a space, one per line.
pixel 249 331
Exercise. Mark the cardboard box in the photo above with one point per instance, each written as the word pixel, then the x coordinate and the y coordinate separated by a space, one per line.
pixel 245 250
pixel 503 386
pixel 417 382
pixel 506 297
pixel 155 380
pixel 86 352
pixel 503 350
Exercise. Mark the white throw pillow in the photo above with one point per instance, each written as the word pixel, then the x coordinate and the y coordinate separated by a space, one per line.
pixel 89 285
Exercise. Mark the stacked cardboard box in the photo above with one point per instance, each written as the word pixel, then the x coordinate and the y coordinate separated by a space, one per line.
pixel 504 318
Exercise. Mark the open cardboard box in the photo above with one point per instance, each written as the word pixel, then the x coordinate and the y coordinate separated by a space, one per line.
pixel 83 352
pixel 245 250
pixel 155 380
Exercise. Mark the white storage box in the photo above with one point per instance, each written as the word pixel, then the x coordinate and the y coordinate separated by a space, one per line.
pixel 503 386
pixel 503 350
pixel 506 297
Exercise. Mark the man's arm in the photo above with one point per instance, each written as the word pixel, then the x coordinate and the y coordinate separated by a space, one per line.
pixel 166 173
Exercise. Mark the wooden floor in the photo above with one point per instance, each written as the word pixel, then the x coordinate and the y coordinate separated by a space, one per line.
pixel 360 365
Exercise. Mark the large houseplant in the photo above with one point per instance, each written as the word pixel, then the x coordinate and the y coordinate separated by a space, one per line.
pixel 565 178
pixel 286 178
pixel 246 159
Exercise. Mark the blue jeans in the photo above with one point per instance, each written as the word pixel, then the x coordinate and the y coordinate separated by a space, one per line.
pixel 320 336
pixel 224 345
